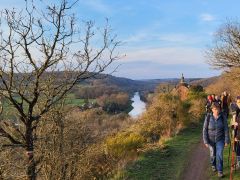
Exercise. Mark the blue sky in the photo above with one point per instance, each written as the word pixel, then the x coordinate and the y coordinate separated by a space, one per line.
pixel 162 38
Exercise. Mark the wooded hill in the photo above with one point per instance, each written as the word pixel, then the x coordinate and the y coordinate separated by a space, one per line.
pixel 205 82
pixel 126 84
pixel 150 85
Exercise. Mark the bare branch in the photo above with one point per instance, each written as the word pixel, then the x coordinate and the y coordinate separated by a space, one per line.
pixel 225 54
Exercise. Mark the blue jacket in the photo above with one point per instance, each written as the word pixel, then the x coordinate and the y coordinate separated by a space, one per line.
pixel 215 130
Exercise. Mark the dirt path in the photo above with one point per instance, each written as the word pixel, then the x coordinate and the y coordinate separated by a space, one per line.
pixel 196 167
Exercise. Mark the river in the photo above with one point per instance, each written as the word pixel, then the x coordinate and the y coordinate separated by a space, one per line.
pixel 138 106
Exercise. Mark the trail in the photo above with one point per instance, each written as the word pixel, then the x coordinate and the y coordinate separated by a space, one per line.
pixel 197 165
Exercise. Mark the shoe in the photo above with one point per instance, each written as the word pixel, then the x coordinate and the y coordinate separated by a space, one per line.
pixel 214 169
pixel 220 174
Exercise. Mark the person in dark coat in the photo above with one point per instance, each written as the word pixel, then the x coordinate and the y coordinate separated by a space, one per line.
pixel 235 124
pixel 225 102
pixel 216 136
pixel 208 104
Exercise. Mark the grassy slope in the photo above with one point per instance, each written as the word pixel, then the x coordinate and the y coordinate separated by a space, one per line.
pixel 168 162
pixel 165 163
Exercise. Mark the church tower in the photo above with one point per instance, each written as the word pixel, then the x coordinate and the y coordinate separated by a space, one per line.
pixel 182 89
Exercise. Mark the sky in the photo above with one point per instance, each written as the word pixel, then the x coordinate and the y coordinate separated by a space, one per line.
pixel 160 38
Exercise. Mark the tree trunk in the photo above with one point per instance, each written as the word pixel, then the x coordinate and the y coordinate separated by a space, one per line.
pixel 64 166
pixel 31 166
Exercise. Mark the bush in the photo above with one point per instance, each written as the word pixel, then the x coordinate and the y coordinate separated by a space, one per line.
pixel 196 95
pixel 183 112
pixel 197 109
pixel 196 88
pixel 197 100
pixel 114 103
pixel 96 164
pixel 123 143
pixel 161 118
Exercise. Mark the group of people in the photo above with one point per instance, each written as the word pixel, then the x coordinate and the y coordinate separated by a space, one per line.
pixel 216 130
pixel 223 100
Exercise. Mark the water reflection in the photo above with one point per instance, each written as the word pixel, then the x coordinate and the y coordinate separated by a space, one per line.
pixel 138 106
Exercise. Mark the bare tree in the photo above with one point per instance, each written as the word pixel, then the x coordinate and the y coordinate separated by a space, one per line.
pixel 43 55
pixel 225 53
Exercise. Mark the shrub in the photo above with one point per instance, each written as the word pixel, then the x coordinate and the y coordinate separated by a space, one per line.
pixel 123 143
pixel 161 118
pixel 114 103
pixel 96 164
pixel 196 88
pixel 196 95
pixel 182 112
pixel 197 109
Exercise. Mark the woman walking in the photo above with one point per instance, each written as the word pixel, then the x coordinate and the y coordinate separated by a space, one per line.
pixel 216 136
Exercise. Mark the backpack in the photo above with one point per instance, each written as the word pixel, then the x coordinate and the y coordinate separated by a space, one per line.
pixel 237 130
pixel 235 108
pixel 208 119
pixel 208 107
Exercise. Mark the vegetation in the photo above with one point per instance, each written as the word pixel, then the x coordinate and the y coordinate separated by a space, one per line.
pixel 165 160
pixel 114 103
pixel 123 143
pixel 165 117
pixel 69 145
pixel 227 82
pixel 36 82
pixel 225 55
pixel 93 92
pixel 41 137
pixel 225 51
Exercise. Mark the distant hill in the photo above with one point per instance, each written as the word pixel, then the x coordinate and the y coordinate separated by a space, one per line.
pixel 130 85
pixel 122 83
pixel 170 80
pixel 204 82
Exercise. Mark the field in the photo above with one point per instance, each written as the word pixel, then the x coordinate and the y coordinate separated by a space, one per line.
pixel 73 101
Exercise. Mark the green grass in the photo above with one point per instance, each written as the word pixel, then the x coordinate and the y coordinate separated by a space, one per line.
pixel 77 102
pixel 165 163
pixel 9 110
pixel 73 101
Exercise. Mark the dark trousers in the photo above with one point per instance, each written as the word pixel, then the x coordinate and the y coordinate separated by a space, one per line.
pixel 237 150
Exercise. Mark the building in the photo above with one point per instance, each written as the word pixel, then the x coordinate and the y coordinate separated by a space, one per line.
pixel 181 89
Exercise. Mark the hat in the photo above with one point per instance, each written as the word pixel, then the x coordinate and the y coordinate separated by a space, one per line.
pixel 209 97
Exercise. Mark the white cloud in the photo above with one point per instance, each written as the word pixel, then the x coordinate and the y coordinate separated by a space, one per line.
pixel 207 17
pixel 145 36
pixel 174 39
pixel 167 55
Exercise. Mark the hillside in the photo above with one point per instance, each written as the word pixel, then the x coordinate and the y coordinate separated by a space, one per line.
pixel 126 84
pixel 150 85
pixel 204 82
